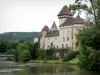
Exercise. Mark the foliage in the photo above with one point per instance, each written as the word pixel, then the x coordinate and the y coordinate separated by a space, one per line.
pixel 89 37
pixel 73 61
pixel 41 54
pixel 14 44
pixel 70 56
pixel 34 50
pixel 89 59
pixel 25 56
pixel 46 54
pixel 12 52
pixel 29 36
pixel 4 46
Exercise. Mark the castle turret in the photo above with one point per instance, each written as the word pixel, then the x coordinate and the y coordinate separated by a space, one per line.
pixel 79 20
pixel 54 26
pixel 64 14
pixel 44 33
pixel 44 30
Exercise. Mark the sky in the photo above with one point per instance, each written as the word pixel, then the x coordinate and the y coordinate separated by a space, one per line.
pixel 29 15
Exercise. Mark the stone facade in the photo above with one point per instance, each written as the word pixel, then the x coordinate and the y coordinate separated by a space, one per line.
pixel 65 37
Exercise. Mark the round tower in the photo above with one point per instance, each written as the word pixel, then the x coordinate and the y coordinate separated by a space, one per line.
pixel 64 14
pixel 44 33
pixel 44 30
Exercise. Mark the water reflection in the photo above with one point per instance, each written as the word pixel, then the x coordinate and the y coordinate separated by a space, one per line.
pixel 12 68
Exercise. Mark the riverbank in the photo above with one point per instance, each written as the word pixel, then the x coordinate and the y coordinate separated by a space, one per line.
pixel 71 62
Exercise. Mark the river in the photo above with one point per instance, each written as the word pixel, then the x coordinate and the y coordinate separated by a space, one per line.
pixel 13 68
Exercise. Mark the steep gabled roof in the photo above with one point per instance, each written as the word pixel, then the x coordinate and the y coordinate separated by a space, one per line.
pixel 65 11
pixel 54 25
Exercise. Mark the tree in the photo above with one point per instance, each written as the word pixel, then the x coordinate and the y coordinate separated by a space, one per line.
pixel 25 56
pixel 34 50
pixel 93 10
pixel 4 46
pixel 88 38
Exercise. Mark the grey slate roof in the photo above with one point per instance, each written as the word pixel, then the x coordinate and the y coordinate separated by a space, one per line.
pixel 54 25
pixel 52 33
pixel 68 21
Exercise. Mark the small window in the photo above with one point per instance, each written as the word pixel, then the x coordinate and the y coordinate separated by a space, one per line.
pixel 55 38
pixel 67 38
pixel 66 45
pixel 72 37
pixel 48 38
pixel 57 46
pixel 48 46
pixel 63 38
pixel 62 45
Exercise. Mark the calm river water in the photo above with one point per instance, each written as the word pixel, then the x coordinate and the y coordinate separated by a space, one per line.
pixel 12 68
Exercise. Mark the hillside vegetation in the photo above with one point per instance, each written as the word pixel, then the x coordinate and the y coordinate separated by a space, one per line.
pixel 19 35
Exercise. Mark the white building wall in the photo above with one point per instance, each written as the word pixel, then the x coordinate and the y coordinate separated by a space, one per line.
pixel 54 40
pixel 36 40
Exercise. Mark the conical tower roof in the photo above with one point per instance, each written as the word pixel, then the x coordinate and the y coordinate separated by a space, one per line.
pixel 65 11
pixel 54 26
pixel 45 28
pixel 79 20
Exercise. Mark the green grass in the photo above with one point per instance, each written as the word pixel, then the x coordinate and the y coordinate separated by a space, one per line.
pixel 73 61
pixel 47 61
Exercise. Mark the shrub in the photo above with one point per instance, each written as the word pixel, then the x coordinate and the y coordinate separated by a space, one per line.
pixel 25 56
pixel 41 54
pixel 70 56
pixel 12 51
pixel 46 54
pixel 89 59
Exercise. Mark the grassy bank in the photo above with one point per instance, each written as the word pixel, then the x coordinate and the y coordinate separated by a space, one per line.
pixel 47 61
pixel 71 62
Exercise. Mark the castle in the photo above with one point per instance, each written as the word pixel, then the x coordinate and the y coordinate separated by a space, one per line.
pixel 63 37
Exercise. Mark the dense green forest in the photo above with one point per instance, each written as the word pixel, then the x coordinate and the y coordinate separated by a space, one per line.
pixel 19 35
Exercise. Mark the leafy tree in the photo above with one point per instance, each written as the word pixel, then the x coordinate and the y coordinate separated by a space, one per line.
pixel 89 59
pixel 14 43
pixel 34 50
pixel 25 56
pixel 12 52
pixel 88 38
pixel 4 46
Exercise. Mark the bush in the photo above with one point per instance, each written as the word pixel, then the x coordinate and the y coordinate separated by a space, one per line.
pixel 46 54
pixel 70 56
pixel 12 51
pixel 25 56
pixel 89 59
pixel 41 54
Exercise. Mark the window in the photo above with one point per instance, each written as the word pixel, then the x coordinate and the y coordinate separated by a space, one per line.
pixel 66 45
pixel 57 46
pixel 62 45
pixel 55 38
pixel 72 37
pixel 48 38
pixel 67 38
pixel 63 38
